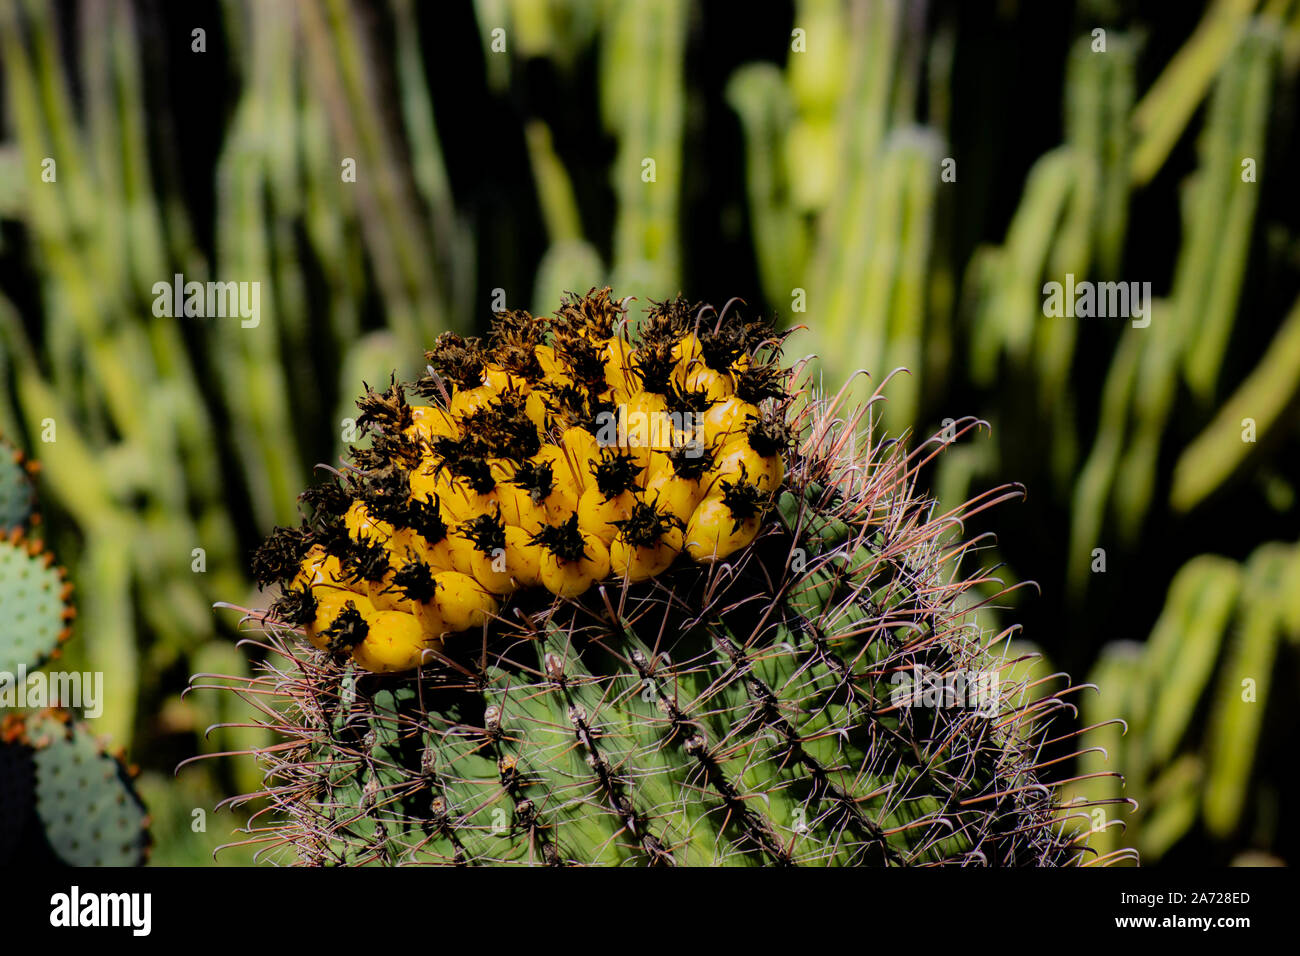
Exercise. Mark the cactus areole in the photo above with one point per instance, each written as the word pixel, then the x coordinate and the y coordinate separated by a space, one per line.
pixel 589 594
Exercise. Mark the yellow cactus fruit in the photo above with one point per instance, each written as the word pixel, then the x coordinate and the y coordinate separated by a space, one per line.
pixel 319 567
pixel 551 454
pixel 396 641
pixel 620 375
pixel 361 523
pixel 725 522
pixel 648 541
pixel 431 423
pixel 340 619
pixel 611 495
pixel 461 601
pixel 728 418
pixel 523 558
pixel 572 560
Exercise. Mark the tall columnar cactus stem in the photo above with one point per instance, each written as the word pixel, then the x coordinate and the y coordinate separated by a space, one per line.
pixel 806 687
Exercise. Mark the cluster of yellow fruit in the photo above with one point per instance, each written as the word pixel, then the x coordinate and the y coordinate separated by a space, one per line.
pixel 555 455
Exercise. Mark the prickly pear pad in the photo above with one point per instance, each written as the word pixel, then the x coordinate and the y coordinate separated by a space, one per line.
pixel 34 595
pixel 17 494
pixel 80 794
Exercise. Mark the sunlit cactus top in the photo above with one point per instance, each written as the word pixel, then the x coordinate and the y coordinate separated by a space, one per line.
pixel 556 454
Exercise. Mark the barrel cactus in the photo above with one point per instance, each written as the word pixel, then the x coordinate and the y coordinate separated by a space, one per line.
pixel 603 592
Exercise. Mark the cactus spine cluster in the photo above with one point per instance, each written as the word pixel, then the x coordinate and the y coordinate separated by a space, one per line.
pixel 64 798
pixel 733 699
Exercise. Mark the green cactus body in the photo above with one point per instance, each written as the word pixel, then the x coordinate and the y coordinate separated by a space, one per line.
pixel 752 709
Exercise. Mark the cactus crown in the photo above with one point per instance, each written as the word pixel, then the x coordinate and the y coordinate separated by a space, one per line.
pixel 721 673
